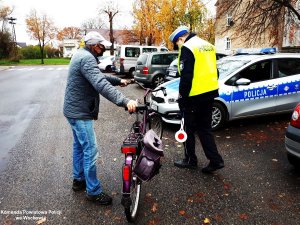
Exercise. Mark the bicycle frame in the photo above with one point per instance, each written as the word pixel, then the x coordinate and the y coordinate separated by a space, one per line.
pixel 132 147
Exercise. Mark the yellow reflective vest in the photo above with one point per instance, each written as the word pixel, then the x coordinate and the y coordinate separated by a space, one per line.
pixel 205 77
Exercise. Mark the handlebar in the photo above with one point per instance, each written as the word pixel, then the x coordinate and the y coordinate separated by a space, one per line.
pixel 148 90
pixel 138 108
pixel 145 106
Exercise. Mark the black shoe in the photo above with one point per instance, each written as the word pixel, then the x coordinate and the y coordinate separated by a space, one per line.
pixel 185 164
pixel 78 185
pixel 102 198
pixel 210 168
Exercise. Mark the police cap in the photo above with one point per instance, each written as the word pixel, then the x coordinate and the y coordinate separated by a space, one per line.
pixel 181 30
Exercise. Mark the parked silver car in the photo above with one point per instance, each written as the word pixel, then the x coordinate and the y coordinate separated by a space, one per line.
pixel 151 68
pixel 127 55
pixel 292 138
pixel 249 85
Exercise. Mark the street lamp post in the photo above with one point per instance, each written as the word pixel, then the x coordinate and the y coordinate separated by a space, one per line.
pixel 12 22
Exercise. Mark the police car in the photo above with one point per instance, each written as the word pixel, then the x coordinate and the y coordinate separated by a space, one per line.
pixel 249 85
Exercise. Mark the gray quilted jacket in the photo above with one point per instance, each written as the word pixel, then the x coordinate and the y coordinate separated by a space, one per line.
pixel 85 83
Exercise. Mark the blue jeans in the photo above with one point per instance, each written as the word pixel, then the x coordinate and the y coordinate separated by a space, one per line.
pixel 85 154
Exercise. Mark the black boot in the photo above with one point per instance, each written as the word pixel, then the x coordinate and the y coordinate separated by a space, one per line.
pixel 212 167
pixel 185 164
pixel 78 185
pixel 101 199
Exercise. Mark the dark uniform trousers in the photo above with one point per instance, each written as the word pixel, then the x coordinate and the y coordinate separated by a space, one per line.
pixel 198 121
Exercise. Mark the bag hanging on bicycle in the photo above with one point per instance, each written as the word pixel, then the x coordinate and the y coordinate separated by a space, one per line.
pixel 148 163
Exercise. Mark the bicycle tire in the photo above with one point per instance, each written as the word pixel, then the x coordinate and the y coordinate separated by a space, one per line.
pixel 132 211
pixel 155 123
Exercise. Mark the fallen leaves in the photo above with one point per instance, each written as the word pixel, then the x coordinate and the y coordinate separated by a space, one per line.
pixel 244 216
pixel 206 221
pixel 197 198
pixel 226 186
pixel 153 221
pixel 181 212
pixel 154 207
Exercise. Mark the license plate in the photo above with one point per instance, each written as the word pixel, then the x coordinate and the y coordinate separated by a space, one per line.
pixel 172 74
pixel 137 71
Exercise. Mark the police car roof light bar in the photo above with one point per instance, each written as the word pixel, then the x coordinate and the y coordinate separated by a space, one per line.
pixel 249 51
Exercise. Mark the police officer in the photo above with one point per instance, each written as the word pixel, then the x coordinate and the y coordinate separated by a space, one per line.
pixel 197 89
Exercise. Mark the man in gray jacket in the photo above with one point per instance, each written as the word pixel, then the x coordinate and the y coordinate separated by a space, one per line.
pixel 81 107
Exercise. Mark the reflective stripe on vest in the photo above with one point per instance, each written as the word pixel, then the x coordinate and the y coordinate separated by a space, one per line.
pixel 205 77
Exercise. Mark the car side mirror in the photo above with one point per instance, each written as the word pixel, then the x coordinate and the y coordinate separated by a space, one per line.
pixel 243 81
pixel 139 63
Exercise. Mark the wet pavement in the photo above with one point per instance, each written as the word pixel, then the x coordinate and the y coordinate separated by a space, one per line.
pixel 257 185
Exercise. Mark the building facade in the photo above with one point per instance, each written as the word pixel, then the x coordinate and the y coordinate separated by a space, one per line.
pixel 228 40
pixel 291 37
pixel 70 46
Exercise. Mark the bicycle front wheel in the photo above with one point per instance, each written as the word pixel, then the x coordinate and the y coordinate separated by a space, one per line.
pixel 131 211
pixel 155 123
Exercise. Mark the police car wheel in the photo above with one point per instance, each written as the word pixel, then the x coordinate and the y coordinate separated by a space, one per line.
pixel 218 116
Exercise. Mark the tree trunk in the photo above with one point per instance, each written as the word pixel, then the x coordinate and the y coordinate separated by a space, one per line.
pixel 42 53
pixel 111 33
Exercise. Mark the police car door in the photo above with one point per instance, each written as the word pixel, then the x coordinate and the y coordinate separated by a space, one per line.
pixel 256 97
pixel 288 74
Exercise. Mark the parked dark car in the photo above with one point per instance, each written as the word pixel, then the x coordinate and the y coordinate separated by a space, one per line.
pixel 292 138
pixel 151 68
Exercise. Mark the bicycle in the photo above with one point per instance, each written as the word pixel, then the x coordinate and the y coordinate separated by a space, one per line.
pixel 132 147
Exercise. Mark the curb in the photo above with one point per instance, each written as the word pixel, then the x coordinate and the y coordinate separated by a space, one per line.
pixel 6 67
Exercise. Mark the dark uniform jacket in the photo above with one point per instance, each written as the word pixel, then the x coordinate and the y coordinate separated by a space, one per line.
pixel 187 61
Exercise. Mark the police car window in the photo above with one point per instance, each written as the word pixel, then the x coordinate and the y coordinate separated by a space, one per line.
pixel 227 66
pixel 132 52
pixel 257 72
pixel 288 67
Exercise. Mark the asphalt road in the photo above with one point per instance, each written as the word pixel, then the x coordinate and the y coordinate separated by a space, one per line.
pixel 257 186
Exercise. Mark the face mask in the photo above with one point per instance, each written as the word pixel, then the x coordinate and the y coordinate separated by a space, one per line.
pixel 100 50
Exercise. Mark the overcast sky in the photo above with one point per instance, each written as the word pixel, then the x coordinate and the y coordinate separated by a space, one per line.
pixel 66 13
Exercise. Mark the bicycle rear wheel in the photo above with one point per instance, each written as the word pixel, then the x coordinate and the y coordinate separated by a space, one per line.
pixel 132 210
pixel 155 123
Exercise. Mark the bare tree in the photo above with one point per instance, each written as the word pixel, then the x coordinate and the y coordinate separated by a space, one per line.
pixel 93 23
pixel 5 11
pixel 7 44
pixel 254 18
pixel 110 8
pixel 70 33
pixel 41 28
pixel 129 36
